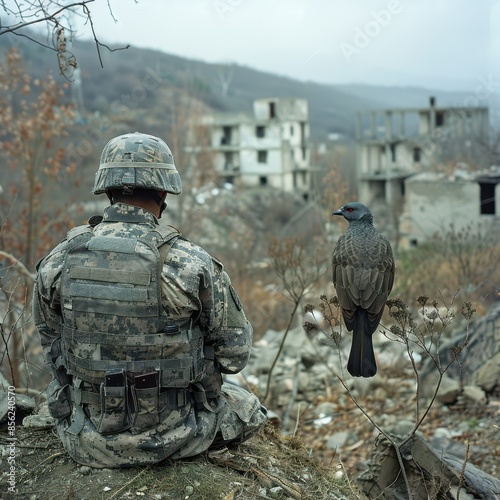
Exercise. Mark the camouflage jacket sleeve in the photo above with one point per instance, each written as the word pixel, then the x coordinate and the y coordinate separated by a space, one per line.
pixel 196 285
pixel 46 303
pixel 231 332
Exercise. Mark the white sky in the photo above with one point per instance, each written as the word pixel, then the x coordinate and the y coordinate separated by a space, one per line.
pixel 448 44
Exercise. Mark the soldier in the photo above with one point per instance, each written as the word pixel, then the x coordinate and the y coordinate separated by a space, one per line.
pixel 138 324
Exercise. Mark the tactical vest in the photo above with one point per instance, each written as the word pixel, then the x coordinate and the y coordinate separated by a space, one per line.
pixel 116 337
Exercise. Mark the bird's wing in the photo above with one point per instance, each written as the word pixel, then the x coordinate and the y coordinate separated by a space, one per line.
pixel 363 272
pixel 344 275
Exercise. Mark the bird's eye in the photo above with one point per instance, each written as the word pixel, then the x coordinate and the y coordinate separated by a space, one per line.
pixel 350 209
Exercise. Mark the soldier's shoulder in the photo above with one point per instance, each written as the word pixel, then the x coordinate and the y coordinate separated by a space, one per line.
pixel 183 243
pixel 56 256
pixel 195 251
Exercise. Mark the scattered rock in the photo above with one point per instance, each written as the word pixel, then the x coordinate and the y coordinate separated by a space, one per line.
pixel 430 473
pixel 488 376
pixel 402 427
pixel 325 409
pixel 85 471
pixel 449 390
pixel 24 405
pixel 474 394
pixel 338 440
pixel 39 421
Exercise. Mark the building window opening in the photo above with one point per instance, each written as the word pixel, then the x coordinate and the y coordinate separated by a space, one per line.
pixel 260 131
pixel 272 110
pixel 291 130
pixel 439 119
pixel 302 132
pixel 226 136
pixel 393 152
pixel 487 196
pixel 262 156
pixel 417 155
pixel 263 181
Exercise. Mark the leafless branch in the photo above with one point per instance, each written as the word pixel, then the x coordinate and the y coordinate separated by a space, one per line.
pixel 38 12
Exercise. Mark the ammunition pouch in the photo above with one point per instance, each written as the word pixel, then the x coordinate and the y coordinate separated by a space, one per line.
pixel 58 399
pixel 146 393
pixel 212 378
pixel 115 404
pixel 138 402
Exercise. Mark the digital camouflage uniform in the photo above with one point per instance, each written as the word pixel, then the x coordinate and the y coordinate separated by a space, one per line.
pixel 138 324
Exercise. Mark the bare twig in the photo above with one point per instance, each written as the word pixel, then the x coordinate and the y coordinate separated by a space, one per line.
pixel 129 482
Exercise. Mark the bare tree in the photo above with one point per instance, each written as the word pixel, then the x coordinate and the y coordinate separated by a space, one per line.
pixel 57 18
pixel 33 120
pixel 33 124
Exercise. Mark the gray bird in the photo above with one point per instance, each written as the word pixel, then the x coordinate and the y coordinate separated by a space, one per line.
pixel 363 275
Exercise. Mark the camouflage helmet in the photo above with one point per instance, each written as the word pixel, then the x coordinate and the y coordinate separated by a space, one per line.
pixel 137 160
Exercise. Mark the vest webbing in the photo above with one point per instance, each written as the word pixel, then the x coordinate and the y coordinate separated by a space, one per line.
pixel 112 311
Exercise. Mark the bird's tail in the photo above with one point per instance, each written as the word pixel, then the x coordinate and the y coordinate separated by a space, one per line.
pixel 361 358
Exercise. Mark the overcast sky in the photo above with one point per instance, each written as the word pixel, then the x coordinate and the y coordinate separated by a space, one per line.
pixel 447 44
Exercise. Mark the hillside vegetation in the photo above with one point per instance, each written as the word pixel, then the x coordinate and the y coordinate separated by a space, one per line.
pixel 223 87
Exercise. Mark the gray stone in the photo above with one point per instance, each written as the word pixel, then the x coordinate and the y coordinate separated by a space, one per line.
pixel 427 471
pixel 449 390
pixel 474 394
pixel 276 492
pixel 338 440
pixel 325 409
pixel 402 427
pixel 488 375
pixel 39 422
pixel 442 433
pixel 24 404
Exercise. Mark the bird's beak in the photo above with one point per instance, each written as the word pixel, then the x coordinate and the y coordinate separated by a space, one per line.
pixel 337 212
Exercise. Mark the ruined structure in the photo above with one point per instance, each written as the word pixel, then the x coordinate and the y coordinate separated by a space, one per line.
pixel 269 148
pixel 398 156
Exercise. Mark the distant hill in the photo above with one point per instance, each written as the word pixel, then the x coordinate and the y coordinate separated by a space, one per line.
pixel 224 87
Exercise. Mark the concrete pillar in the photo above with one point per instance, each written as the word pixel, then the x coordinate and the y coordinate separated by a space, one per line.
pixel 388 139
pixel 432 115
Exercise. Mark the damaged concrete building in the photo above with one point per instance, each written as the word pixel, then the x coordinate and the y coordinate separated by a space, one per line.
pixel 407 170
pixel 268 148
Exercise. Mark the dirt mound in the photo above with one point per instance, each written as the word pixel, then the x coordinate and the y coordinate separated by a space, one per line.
pixel 265 466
